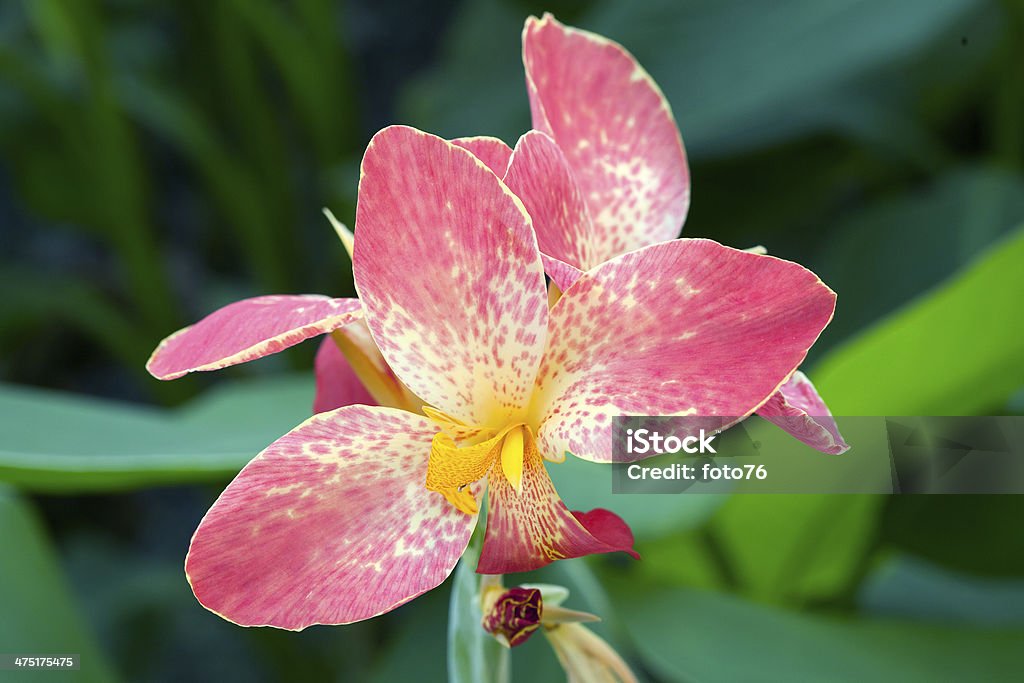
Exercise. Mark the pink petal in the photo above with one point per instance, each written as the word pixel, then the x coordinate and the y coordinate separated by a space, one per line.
pixel 798 409
pixel 562 273
pixel 337 384
pixel 687 327
pixel 447 267
pixel 540 176
pixel 247 330
pixel 492 151
pixel 615 128
pixel 532 527
pixel 331 524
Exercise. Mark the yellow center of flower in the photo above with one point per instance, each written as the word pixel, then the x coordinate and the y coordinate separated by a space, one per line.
pixel 453 467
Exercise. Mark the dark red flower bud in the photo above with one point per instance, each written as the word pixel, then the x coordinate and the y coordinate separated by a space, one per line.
pixel 515 615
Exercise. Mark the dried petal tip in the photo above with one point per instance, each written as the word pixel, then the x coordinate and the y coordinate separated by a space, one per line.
pixel 514 616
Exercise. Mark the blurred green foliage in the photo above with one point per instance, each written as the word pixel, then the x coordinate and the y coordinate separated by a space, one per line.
pixel 159 159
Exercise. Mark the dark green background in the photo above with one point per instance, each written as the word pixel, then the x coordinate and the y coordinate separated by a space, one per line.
pixel 160 159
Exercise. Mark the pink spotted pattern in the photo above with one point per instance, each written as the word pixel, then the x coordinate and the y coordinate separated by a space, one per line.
pixel 249 329
pixel 615 128
pixel 447 266
pixel 539 174
pixel 331 524
pixel 687 327
pixel 798 409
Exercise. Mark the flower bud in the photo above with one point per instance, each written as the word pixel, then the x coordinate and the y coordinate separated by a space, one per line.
pixel 514 616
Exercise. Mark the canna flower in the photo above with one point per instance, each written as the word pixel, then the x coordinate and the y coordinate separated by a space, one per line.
pixel 362 508
pixel 515 614
pixel 607 164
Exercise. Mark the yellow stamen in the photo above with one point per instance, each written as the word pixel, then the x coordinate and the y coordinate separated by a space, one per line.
pixel 512 458
pixel 452 469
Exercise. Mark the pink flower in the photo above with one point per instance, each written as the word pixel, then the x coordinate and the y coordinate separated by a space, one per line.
pixel 362 508
pixel 605 172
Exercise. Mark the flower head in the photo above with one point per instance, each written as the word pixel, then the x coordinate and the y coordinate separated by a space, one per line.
pixel 362 508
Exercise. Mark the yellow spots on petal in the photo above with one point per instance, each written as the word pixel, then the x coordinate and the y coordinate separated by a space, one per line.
pixel 512 458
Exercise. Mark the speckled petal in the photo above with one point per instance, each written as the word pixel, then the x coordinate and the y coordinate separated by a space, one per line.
pixel 492 151
pixel 447 267
pixel 562 273
pixel 247 330
pixel 531 528
pixel 337 384
pixel 798 409
pixel 329 525
pixel 687 327
pixel 540 176
pixel 615 128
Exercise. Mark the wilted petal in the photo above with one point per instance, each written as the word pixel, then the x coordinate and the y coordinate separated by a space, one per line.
pixel 615 128
pixel 798 409
pixel 247 330
pixel 532 527
pixel 492 151
pixel 329 525
pixel 540 176
pixel 337 384
pixel 447 267
pixel 687 327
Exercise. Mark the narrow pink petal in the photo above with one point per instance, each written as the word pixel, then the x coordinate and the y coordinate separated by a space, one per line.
pixel 540 176
pixel 686 327
pixel 615 128
pixel 447 267
pixel 492 151
pixel 247 330
pixel 562 273
pixel 532 527
pixel 337 384
pixel 331 524
pixel 798 409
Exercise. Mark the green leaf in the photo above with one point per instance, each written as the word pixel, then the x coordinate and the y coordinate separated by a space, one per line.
pixel 692 636
pixel 882 257
pixel 793 548
pixel 950 353
pixel 39 615
pixel 473 655
pixel 60 443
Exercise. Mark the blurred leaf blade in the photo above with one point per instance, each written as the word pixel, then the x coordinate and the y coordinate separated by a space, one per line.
pixel 60 443
pixel 689 635
pixel 39 615
pixel 914 362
